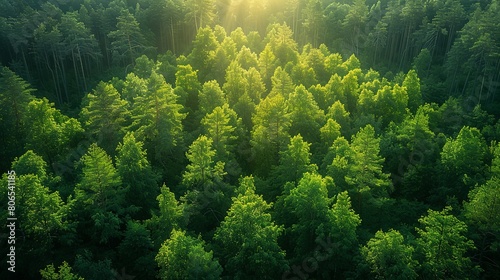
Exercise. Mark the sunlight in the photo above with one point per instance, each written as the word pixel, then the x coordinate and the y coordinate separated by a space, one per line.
pixel 244 13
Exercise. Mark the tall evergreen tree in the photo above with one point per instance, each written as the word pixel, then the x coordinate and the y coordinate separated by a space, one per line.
pixel 248 238
pixel 104 115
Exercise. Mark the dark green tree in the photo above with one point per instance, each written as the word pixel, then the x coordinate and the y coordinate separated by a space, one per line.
pixel 104 115
pixel 387 257
pixel 270 131
pixel 137 176
pixel 128 41
pixel 444 247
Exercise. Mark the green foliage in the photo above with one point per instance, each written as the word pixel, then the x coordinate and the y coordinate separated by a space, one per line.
pixel 137 249
pixel 128 41
pixel 137 175
pixel 388 257
pixel 365 171
pixel 185 257
pixel 202 55
pixel 444 246
pixel 167 217
pixel 202 169
pixel 100 195
pixel 248 238
pixel 309 205
pixel 63 273
pixel 15 95
pixel 48 132
pixel 251 106
pixel 157 119
pixel 104 115
pixel 342 232
pixel 305 116
pixel 90 269
pixel 295 161
pixel 222 126
pixel 463 162
pixel 211 96
pixel 481 215
pixel 270 131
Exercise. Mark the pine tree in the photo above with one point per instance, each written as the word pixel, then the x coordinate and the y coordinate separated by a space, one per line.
pixel 137 175
pixel 248 238
pixel 185 257
pixel 104 115
pixel 99 196
pixel 270 131
pixel 444 246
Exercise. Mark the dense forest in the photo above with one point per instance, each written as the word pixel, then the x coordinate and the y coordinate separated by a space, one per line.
pixel 235 139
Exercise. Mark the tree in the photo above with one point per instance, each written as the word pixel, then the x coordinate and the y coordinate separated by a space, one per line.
pixel 337 162
pixel 221 126
pixel 185 257
pixel 43 212
pixel 365 175
pixel 480 213
pixel 305 116
pixel 202 12
pixel 80 47
pixel 354 22
pixel 330 132
pixel 31 163
pixel 166 218
pixel 137 175
pixel 201 57
pixel 45 221
pixel 128 42
pixel 136 251
pixel 100 196
pixel 294 162
pixel 338 113
pixel 236 82
pixel 255 86
pixel 63 273
pixel 280 38
pixel 267 65
pixel 444 246
pixel 104 115
pixel 463 162
pixel 248 238
pixel 341 230
pixel 410 150
pixel 48 132
pixel 157 121
pixel 308 203
pixel 133 87
pixel 270 131
pixel 412 85
pixel 391 103
pixel 207 196
pixel 388 257
pixel 15 95
pixel 202 169
pixel 211 96
pixel 246 58
pixel 186 78
pixel 282 83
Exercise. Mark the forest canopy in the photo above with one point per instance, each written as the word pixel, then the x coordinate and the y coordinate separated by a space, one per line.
pixel 226 139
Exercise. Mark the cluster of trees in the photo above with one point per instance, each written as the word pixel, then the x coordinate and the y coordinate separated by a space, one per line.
pixel 66 48
pixel 252 155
